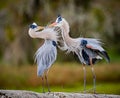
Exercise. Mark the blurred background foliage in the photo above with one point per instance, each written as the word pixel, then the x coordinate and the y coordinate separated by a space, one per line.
pixel 87 18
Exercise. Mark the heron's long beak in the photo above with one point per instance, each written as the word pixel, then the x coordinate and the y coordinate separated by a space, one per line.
pixel 40 27
pixel 53 24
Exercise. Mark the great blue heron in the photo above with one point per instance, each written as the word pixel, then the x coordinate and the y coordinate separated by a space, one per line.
pixel 47 53
pixel 88 50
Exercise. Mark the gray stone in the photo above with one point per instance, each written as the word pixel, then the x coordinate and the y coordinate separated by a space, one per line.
pixel 30 94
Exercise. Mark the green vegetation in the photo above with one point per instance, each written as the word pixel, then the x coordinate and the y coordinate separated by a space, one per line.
pixel 66 77
pixel 102 88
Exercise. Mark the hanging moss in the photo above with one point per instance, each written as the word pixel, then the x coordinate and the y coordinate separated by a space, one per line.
pixel 99 15
pixel 9 34
pixel 83 3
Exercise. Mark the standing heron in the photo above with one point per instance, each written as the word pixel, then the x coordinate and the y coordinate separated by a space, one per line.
pixel 88 50
pixel 47 53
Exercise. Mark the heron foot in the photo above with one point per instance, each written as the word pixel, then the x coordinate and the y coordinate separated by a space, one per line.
pixel 51 93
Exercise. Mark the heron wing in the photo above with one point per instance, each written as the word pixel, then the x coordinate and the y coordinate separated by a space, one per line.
pixel 45 56
pixel 95 46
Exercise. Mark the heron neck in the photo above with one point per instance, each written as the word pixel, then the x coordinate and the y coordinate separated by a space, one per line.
pixel 68 40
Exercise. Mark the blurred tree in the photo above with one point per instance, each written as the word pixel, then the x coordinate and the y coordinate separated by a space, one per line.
pixel 89 18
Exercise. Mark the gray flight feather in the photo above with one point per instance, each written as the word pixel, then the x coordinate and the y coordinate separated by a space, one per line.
pixel 45 56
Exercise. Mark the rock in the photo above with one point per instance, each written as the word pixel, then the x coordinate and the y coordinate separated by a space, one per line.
pixel 30 94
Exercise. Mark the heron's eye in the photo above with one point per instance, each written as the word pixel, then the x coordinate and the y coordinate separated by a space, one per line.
pixel 33 26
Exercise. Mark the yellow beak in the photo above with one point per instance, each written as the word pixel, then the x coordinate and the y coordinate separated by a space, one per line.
pixel 53 24
pixel 40 27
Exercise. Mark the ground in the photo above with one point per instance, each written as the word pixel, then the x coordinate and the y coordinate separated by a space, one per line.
pixel 30 94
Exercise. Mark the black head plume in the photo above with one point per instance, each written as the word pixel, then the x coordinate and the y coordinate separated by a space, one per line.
pixel 59 15
pixel 59 18
pixel 33 26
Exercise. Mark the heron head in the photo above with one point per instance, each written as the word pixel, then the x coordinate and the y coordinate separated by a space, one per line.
pixel 33 26
pixel 59 19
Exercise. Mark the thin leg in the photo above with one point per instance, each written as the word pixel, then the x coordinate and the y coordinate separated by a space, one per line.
pixel 47 81
pixel 84 78
pixel 94 79
pixel 43 84
pixel 94 76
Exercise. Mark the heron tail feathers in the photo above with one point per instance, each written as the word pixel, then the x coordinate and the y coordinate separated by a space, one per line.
pixel 105 55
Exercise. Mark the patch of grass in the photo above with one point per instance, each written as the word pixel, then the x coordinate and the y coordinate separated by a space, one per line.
pixel 66 77
pixel 101 88
pixel 110 88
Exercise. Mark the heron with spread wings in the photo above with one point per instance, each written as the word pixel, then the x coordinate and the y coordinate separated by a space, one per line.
pixel 88 50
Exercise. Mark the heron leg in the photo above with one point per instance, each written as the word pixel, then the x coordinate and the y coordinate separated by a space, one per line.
pixel 94 76
pixel 46 78
pixel 43 84
pixel 84 78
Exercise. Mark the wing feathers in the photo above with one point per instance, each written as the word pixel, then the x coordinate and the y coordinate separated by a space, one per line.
pixel 93 49
pixel 105 55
